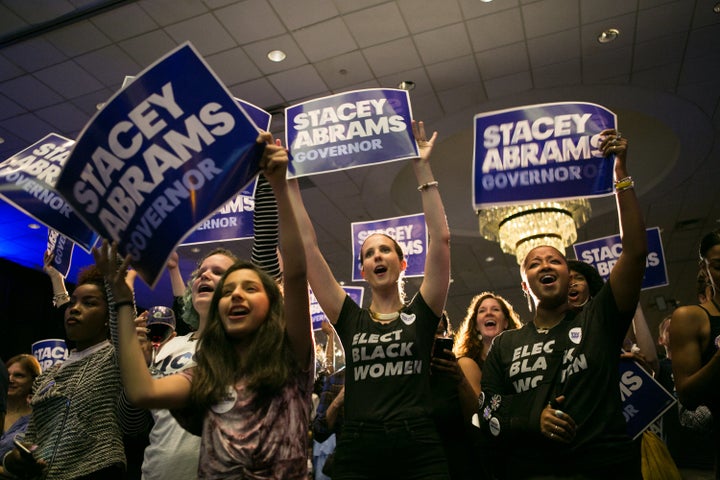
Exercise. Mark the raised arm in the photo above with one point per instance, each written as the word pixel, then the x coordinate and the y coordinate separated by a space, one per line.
pixel 436 281
pixel 265 229
pixel 60 293
pixel 141 389
pixel 176 281
pixel 297 303
pixel 627 274
pixel 329 293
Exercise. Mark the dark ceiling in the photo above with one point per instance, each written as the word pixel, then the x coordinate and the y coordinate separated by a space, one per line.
pixel 59 59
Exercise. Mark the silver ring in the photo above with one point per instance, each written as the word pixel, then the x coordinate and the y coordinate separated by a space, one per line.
pixel 557 428
pixel 552 435
pixel 559 413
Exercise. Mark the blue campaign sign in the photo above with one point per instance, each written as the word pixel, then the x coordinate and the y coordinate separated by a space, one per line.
pixel 164 153
pixel 602 253
pixel 50 352
pixel 644 400
pixel 348 130
pixel 316 312
pixel 260 117
pixel 541 152
pixel 62 249
pixel 27 181
pixel 233 221
pixel 410 232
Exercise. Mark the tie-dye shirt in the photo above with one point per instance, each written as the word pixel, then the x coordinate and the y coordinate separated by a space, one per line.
pixel 265 441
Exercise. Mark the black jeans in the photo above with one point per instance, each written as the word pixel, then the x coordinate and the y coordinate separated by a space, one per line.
pixel 407 449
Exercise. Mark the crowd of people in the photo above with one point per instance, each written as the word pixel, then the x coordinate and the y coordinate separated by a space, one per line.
pixel 238 394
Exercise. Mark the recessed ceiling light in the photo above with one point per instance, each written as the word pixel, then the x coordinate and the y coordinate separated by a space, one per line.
pixel 406 85
pixel 276 55
pixel 195 249
pixel 608 35
pixel 486 1
pixel 490 259
pixel 33 226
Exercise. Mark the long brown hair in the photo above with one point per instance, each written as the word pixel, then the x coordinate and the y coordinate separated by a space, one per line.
pixel 268 362
pixel 468 341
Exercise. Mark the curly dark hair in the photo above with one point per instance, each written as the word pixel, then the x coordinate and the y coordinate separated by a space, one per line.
pixel 594 280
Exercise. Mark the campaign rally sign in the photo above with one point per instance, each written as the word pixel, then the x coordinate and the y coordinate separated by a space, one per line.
pixel 49 352
pixel 27 181
pixel 316 311
pixel 260 117
pixel 348 130
pixel 233 221
pixel 164 153
pixel 541 152
pixel 603 253
pixel 644 400
pixel 410 232
pixel 61 248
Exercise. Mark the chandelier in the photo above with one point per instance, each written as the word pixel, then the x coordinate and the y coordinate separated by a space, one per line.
pixel 520 228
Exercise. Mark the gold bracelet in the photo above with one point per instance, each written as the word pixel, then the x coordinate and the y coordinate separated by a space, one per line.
pixel 624 184
pixel 425 186
pixel 60 298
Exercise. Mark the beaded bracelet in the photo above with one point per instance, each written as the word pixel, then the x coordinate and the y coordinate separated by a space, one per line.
pixel 60 298
pixel 624 184
pixel 425 186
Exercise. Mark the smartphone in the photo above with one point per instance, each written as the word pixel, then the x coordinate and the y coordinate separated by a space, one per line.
pixel 24 451
pixel 441 344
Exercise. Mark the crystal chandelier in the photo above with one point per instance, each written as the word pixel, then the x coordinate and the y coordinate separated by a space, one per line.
pixel 520 228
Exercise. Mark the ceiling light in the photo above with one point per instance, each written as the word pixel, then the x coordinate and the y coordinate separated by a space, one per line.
pixel 195 249
pixel 486 1
pixel 33 226
pixel 716 8
pixel 406 85
pixel 276 55
pixel 520 228
pixel 608 35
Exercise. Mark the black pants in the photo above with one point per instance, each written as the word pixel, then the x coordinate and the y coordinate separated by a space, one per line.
pixel 407 449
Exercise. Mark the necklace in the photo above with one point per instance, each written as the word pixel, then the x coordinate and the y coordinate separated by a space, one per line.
pixel 384 317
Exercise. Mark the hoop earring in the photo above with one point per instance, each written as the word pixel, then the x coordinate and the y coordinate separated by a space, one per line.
pixel 529 302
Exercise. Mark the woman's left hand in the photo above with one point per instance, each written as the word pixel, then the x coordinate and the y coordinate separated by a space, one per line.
pixel 446 365
pixel 556 424
pixel 424 144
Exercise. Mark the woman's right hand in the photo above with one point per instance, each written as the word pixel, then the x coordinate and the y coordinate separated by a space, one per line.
pixel 105 259
pixel 47 265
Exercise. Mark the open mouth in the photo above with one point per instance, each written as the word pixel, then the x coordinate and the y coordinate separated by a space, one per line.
pixel 239 311
pixel 205 288
pixel 490 323
pixel 380 269
pixel 547 279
